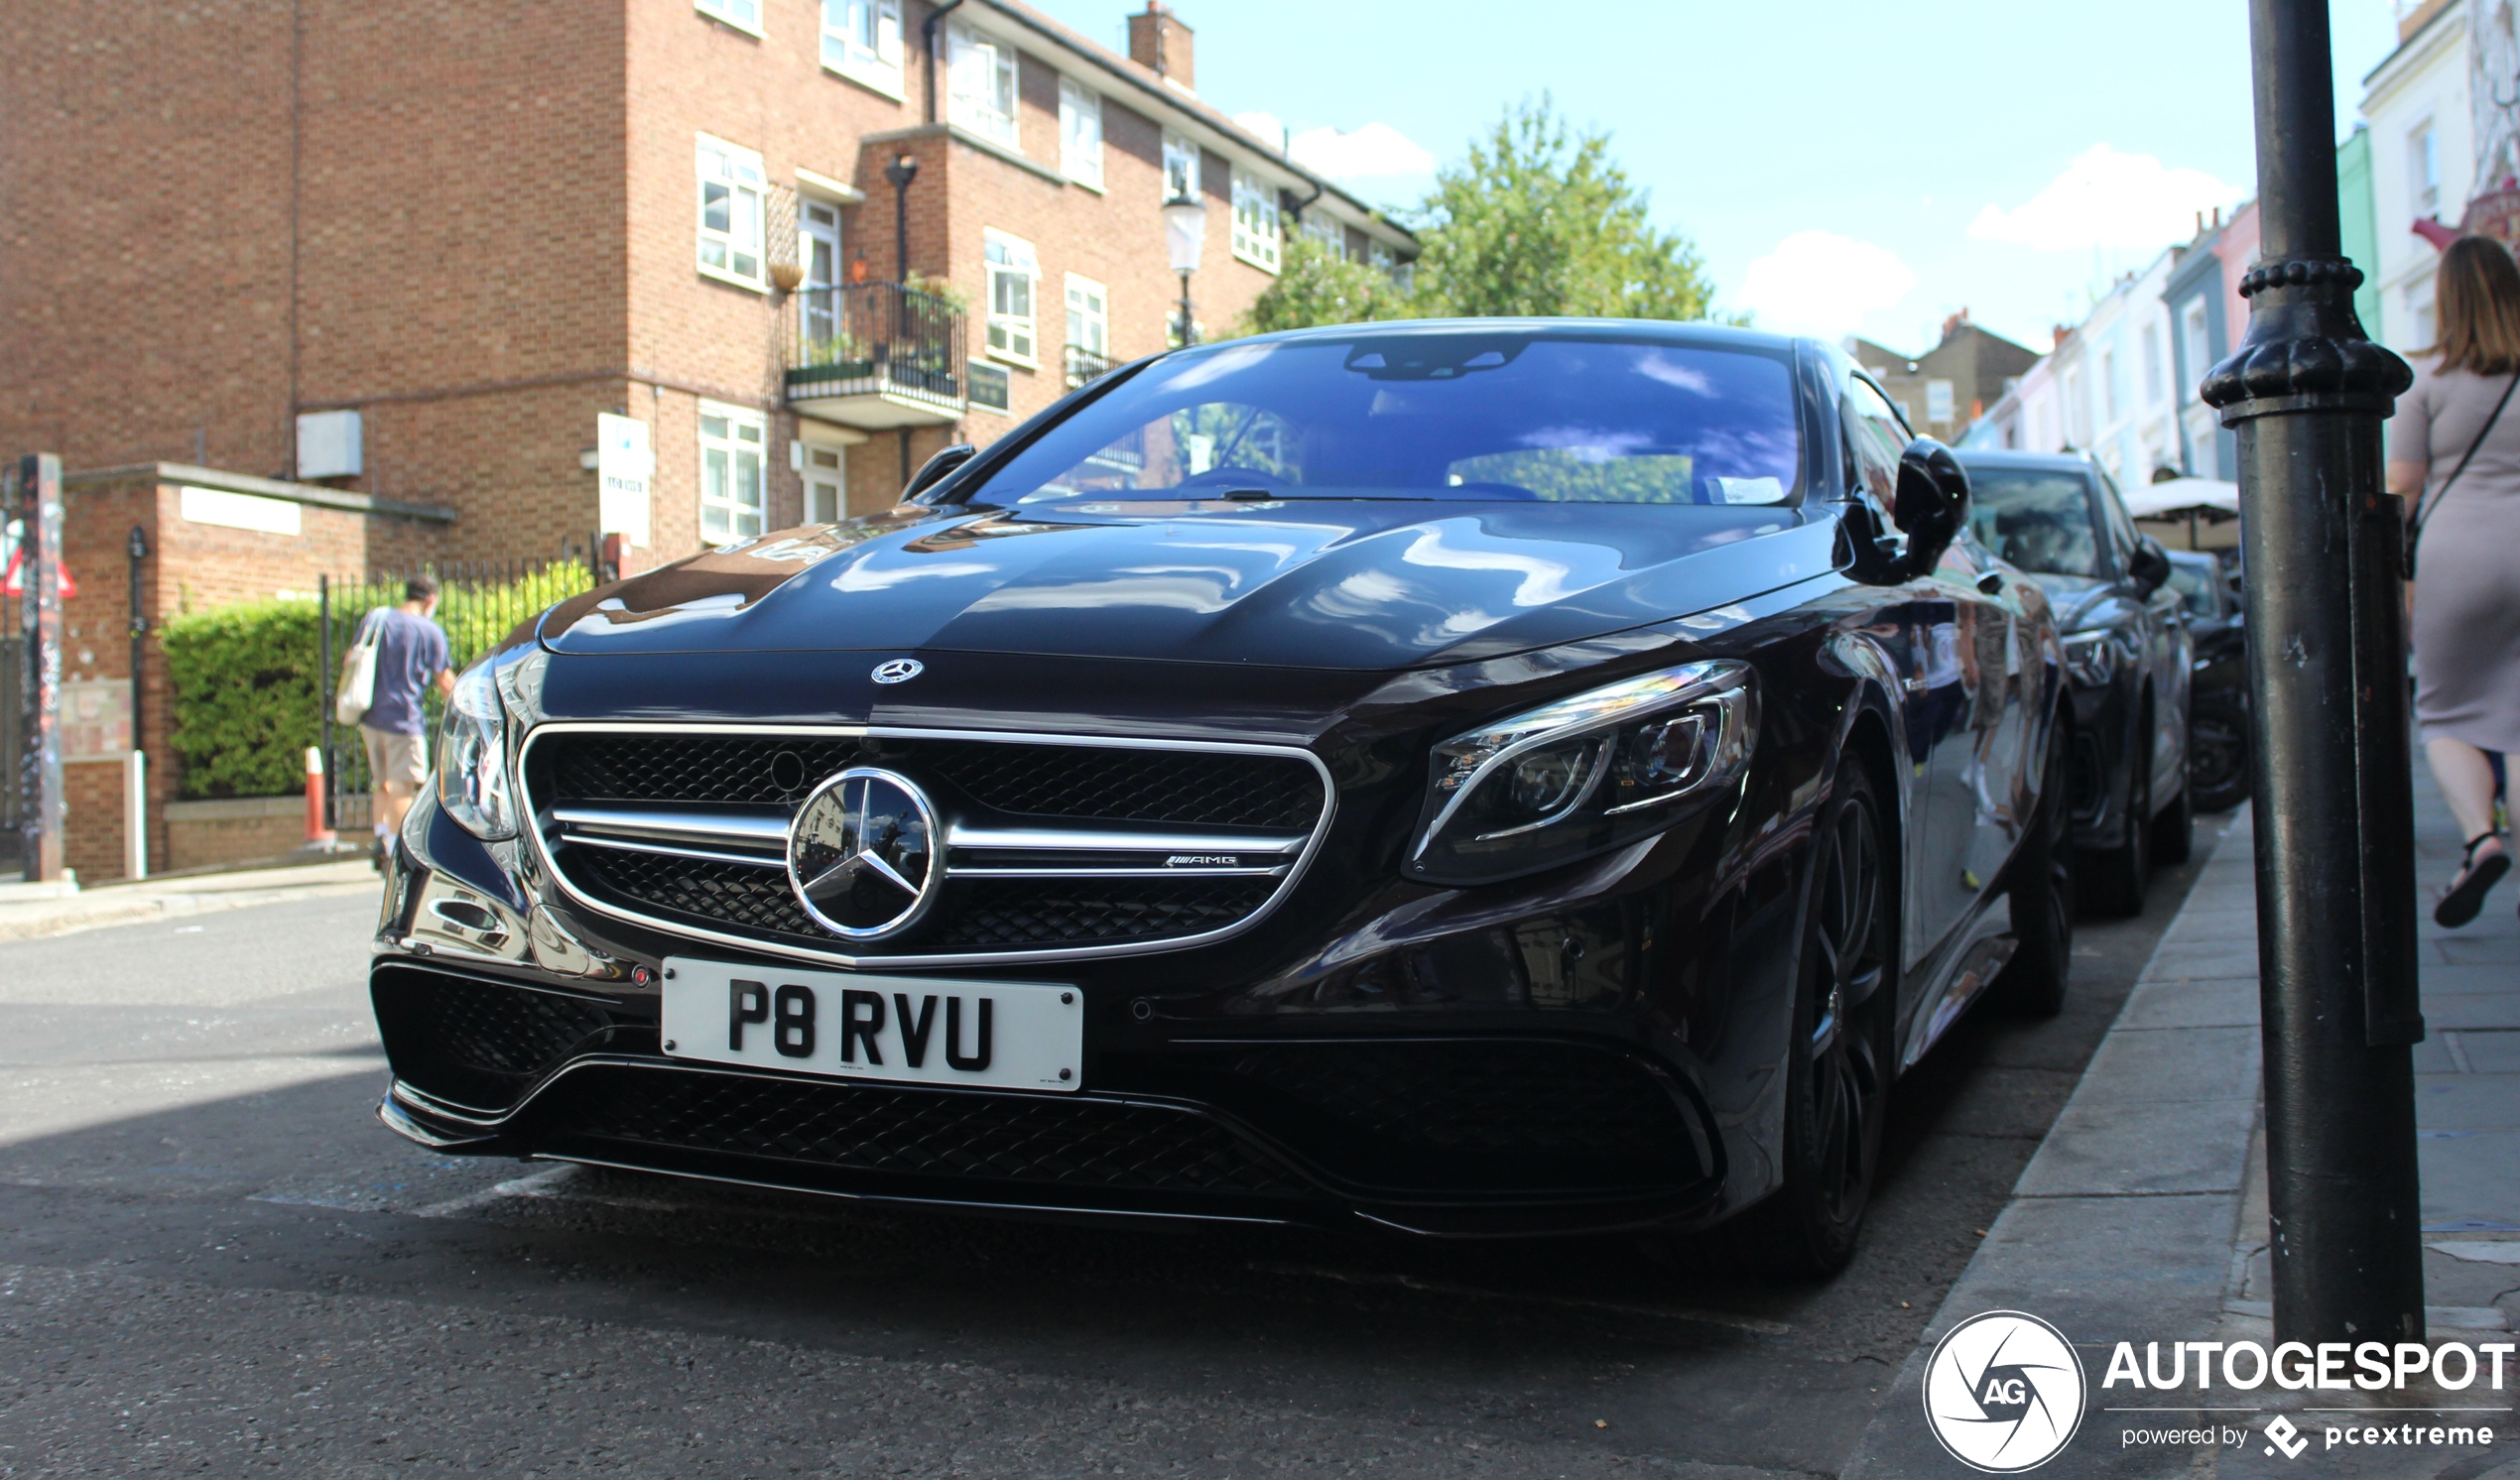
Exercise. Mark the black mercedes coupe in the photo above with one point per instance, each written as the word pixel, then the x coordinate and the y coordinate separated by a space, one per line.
pixel 1473 778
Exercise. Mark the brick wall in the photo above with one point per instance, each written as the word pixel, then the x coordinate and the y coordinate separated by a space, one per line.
pixel 190 567
pixel 474 222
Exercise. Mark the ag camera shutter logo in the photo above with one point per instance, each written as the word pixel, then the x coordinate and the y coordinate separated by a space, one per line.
pixel 2004 1391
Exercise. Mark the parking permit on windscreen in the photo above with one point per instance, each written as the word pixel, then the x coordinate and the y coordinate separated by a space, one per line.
pixel 917 1030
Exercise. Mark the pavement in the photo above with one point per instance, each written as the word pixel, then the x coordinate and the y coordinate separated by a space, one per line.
pixel 32 910
pixel 2143 1216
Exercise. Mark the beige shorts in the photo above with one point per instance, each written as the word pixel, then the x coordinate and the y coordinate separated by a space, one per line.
pixel 396 757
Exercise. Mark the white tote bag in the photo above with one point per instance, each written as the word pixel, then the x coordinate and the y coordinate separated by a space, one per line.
pixel 357 693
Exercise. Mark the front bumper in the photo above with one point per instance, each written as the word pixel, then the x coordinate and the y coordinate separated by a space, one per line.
pixel 515 1028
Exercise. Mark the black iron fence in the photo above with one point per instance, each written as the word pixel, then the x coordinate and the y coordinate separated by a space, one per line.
pixel 478 604
pixel 1084 366
pixel 12 721
pixel 863 338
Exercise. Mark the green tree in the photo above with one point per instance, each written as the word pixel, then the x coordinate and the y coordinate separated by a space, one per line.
pixel 1316 285
pixel 1539 220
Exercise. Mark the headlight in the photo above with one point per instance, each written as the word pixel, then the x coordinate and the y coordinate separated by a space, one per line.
pixel 2091 658
pixel 472 757
pixel 1585 774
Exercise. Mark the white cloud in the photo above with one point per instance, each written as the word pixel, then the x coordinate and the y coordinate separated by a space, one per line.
pixel 1820 283
pixel 2105 198
pixel 1376 151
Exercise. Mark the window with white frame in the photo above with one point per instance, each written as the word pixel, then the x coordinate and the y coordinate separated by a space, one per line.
pixel 2108 387
pixel 819 252
pixel 730 196
pixel 743 15
pixel 1080 133
pixel 825 483
pixel 1404 275
pixel 1937 401
pixel 1089 315
pixel 2156 377
pixel 1255 220
pixel 2424 169
pixel 1014 277
pixel 732 440
pixel 1181 167
pixel 2192 329
pixel 861 38
pixel 1328 232
pixel 980 77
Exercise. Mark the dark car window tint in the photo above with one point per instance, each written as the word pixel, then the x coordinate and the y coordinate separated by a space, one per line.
pixel 2195 585
pixel 1449 414
pixel 2121 529
pixel 2037 521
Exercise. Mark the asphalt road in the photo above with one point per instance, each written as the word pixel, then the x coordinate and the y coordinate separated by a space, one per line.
pixel 214 1261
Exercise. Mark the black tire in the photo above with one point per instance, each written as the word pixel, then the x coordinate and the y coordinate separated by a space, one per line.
pixel 2218 755
pixel 2113 880
pixel 1841 1059
pixel 2174 830
pixel 2040 895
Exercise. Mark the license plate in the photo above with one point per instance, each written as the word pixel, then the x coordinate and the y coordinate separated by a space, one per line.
pixel 917 1030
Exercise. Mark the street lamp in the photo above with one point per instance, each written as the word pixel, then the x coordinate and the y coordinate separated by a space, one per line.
pixel 1185 234
pixel 2333 811
pixel 901 171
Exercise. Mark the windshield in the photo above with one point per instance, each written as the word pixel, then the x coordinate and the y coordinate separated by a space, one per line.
pixel 2041 522
pixel 1447 414
pixel 2195 584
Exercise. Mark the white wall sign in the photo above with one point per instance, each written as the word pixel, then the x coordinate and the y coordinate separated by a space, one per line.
pixel 625 466
pixel 239 511
pixel 96 719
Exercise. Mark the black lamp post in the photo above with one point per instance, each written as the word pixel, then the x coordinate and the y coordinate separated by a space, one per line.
pixel 2333 815
pixel 136 551
pixel 1185 237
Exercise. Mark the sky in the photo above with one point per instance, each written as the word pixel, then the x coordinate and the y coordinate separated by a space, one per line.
pixel 1843 167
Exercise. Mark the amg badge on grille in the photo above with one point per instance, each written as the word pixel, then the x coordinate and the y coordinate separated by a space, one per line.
pixel 862 853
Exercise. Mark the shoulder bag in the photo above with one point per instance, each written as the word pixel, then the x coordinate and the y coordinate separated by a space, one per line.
pixel 2425 507
pixel 357 693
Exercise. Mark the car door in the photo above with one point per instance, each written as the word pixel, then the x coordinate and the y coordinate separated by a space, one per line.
pixel 2168 649
pixel 1963 711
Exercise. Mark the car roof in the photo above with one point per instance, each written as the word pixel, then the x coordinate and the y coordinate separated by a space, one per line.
pixel 1993 458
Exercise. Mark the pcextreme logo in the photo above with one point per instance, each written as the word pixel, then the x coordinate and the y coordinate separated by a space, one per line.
pixel 2004 1391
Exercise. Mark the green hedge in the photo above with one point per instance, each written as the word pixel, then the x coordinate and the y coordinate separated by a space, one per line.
pixel 248 698
pixel 245 697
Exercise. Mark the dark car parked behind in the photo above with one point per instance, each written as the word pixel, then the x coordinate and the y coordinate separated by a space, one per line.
pixel 2058 517
pixel 2218 696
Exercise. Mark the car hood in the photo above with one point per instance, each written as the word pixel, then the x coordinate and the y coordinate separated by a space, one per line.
pixel 2074 598
pixel 1338 585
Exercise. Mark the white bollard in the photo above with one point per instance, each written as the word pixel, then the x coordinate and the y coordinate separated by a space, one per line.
pixel 135 815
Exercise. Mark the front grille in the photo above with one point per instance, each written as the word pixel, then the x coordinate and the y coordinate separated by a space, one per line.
pixel 1228 801
pixel 477 1043
pixel 1104 784
pixel 1019 1139
pixel 994 914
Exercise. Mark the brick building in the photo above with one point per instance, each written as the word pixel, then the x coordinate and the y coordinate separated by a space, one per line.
pixel 415 251
pixel 1944 390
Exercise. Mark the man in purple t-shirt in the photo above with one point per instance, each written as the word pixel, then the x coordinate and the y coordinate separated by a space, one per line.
pixel 411 655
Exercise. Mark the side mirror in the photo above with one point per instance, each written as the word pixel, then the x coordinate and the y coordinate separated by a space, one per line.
pixel 2149 565
pixel 1932 502
pixel 935 469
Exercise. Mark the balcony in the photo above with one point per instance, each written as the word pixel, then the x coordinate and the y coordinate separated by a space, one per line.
pixel 877 356
pixel 1085 366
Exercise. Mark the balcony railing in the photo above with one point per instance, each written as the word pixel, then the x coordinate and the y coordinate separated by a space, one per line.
pixel 878 355
pixel 1083 366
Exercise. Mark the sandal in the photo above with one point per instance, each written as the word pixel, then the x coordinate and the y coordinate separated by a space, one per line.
pixel 2476 879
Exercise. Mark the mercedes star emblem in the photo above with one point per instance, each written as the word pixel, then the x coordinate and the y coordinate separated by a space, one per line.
pixel 899 670
pixel 862 853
